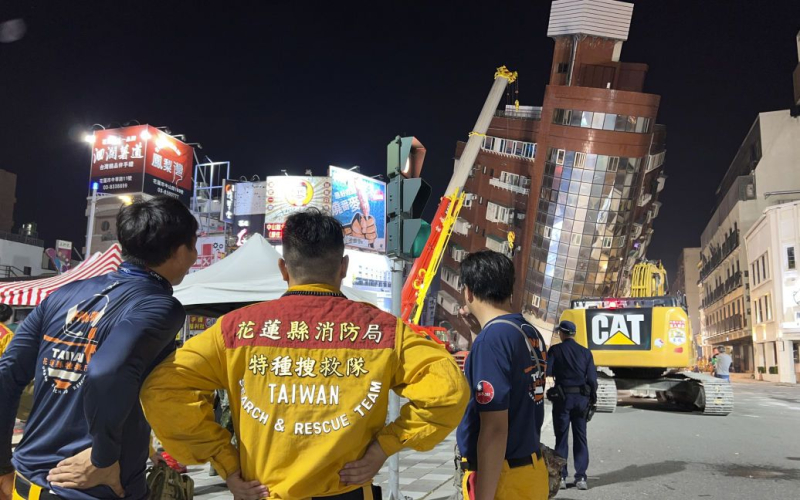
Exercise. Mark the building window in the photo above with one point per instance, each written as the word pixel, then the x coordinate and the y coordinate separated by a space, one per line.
pixel 790 262
pixel 536 300
pixel 768 304
pixel 613 163
pixel 548 232
pixel 576 239
pixel 560 153
pixel 562 68
pixel 580 160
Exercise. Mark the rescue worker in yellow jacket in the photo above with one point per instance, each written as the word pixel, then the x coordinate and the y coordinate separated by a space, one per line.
pixel 310 375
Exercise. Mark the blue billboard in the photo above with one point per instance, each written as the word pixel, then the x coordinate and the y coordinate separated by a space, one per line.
pixel 359 203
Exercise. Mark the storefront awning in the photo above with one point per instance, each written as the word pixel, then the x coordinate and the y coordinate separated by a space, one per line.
pixel 32 293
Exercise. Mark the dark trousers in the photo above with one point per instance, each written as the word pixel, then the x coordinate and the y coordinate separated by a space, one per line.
pixel 572 411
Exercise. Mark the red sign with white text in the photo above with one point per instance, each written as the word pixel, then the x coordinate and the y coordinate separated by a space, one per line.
pixel 142 159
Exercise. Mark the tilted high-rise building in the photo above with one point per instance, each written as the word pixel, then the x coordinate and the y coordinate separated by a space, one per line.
pixel 573 183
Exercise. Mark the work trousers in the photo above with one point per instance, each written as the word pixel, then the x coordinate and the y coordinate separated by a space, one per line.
pixel 572 411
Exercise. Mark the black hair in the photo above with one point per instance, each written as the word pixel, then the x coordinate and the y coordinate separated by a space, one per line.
pixel 150 232
pixel 313 245
pixel 489 276
pixel 5 313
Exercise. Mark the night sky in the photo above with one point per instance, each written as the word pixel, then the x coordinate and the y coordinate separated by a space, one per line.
pixel 297 85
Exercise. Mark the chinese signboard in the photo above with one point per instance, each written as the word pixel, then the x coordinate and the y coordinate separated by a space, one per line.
pixel 210 249
pixel 141 158
pixel 273 231
pixel 359 203
pixel 228 200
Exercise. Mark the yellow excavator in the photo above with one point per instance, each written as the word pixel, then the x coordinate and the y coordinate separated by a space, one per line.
pixel 644 343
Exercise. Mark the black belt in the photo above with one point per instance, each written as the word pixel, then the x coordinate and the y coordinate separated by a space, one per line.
pixel 23 489
pixel 354 495
pixel 513 463
pixel 576 389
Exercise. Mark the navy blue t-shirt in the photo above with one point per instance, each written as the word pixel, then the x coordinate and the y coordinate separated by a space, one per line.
pixel 125 323
pixel 503 375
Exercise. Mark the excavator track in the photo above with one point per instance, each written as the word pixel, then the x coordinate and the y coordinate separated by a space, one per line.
pixel 606 393
pixel 717 394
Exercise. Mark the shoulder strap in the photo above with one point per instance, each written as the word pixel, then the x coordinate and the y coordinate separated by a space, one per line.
pixel 525 338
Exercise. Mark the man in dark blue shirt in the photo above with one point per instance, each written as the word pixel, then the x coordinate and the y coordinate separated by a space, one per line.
pixel 573 367
pixel 88 347
pixel 499 434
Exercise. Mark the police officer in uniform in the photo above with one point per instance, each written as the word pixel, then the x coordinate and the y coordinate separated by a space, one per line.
pixel 309 376
pixel 574 393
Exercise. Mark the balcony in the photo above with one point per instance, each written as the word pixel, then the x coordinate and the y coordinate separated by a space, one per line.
pixel 654 161
pixel 661 182
pixel 447 302
pixel 718 254
pixel 521 113
pixel 733 282
pixel 509 187
pixel 731 324
pixel 645 199
pixel 461 226
pixel 656 208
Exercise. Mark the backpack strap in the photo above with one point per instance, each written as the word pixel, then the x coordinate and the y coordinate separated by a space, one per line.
pixel 526 339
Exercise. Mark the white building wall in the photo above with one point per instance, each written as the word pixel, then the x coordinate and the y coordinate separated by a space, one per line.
pixel 777 338
pixel 21 255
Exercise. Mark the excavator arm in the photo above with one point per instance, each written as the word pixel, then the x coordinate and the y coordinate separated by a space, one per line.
pixel 427 264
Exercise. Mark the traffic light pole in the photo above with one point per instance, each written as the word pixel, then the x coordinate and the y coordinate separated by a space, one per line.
pixel 394 400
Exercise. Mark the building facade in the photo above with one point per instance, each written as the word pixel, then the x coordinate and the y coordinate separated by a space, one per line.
pixel 764 172
pixel 568 190
pixel 772 245
pixel 8 198
pixel 685 284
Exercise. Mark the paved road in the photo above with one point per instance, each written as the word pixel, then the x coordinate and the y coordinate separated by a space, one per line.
pixel 653 451
pixel 650 450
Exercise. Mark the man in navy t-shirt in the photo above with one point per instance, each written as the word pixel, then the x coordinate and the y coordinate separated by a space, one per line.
pixel 88 347
pixel 499 435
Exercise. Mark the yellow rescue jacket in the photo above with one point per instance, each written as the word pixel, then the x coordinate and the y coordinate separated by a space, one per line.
pixel 308 377
pixel 5 338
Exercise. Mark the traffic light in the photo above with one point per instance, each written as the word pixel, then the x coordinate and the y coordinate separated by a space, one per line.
pixel 404 157
pixel 407 194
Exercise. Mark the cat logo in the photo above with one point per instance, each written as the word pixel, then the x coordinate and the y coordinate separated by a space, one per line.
pixel 624 329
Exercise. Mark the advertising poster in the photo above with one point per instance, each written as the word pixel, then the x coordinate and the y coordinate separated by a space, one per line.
pixel 289 194
pixel 359 203
pixel 210 249
pixel 64 255
pixel 141 159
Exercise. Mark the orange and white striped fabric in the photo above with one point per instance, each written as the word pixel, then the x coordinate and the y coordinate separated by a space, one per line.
pixel 32 293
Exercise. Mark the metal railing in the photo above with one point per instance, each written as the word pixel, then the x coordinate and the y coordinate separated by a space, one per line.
pixel 21 238
pixel 733 282
pixel 730 244
pixel 521 114
pixel 509 187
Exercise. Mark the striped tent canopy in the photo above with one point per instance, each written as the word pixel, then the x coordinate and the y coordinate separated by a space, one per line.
pixel 32 293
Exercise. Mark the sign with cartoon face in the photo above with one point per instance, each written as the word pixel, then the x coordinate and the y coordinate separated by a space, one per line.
pixel 619 329
pixel 677 332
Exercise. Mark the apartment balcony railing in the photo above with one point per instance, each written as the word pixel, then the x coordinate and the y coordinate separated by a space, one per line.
pixel 719 254
pixel 727 286
pixel 731 324
pixel 508 186
pixel 524 112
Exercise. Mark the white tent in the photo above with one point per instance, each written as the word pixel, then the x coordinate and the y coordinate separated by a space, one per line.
pixel 250 274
